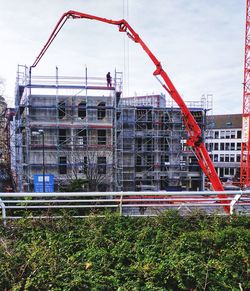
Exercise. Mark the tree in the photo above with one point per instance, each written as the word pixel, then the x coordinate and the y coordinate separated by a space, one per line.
pixel 91 170
pixel 98 170
pixel 2 86
pixel 6 181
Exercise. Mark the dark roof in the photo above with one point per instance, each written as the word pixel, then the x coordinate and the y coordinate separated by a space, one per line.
pixel 224 121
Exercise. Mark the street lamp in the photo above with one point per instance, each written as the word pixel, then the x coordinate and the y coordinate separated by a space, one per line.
pixel 35 133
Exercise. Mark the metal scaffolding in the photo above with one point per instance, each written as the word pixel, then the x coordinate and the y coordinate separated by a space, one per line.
pixel 76 116
pixel 151 146
pixel 89 132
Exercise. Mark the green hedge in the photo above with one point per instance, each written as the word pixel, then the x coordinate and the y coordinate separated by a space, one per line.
pixel 168 252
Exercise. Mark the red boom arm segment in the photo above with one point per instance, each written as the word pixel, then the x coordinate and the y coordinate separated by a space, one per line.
pixel 194 131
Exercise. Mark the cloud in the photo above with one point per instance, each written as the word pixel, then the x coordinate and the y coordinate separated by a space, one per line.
pixel 199 43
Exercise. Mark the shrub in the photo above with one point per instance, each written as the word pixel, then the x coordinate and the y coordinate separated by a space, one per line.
pixel 168 252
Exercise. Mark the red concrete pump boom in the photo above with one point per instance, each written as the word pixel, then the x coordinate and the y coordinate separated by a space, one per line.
pixel 195 136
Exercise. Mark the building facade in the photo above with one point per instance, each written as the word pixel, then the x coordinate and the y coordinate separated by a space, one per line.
pixel 151 147
pixel 224 144
pixel 65 129
pixel 80 128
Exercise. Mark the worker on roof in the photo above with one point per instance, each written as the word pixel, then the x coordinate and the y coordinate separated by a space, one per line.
pixel 109 79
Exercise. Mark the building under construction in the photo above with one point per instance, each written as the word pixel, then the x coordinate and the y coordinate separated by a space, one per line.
pixel 151 148
pixel 80 128
pixel 6 175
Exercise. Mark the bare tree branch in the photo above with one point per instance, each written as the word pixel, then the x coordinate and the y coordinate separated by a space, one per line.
pixel 85 165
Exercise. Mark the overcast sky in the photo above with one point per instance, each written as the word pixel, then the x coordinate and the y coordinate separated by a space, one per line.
pixel 200 44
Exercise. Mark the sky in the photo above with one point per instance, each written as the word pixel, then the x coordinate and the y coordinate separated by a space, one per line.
pixel 200 44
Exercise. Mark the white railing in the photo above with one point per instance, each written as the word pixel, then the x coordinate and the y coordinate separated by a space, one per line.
pixel 33 205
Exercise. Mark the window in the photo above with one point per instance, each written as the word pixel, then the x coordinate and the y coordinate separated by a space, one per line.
pixel 209 147
pixel 232 146
pixel 222 146
pixel 101 111
pixel 215 158
pixel 238 158
pixel 149 160
pixel 216 146
pixel 101 136
pixel 227 146
pixel 232 133
pixel 238 146
pixel 226 171
pixel 163 183
pixel 61 109
pixel 222 158
pixel 227 134
pixel 139 144
pixel 138 164
pixel 165 160
pixel 101 165
pixel 82 110
pixel 85 165
pixel 227 158
pixel 232 171
pixel 62 165
pixel 62 135
pixel 164 146
pixel 149 125
pixel 82 136
pixel 24 157
pixel 150 144
pixel 141 115
pixel 149 115
pixel 231 158
pixel 238 133
pixel 138 161
pixel 216 134
pixel 222 134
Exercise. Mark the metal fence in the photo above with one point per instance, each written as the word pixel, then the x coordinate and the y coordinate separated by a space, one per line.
pixel 85 204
